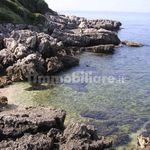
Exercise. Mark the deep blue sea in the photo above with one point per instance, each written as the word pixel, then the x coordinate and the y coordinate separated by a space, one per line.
pixel 117 110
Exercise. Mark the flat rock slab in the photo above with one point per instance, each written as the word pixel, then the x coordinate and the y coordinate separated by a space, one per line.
pixel 15 123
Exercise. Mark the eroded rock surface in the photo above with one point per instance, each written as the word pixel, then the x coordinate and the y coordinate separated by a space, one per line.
pixel 54 46
pixel 43 128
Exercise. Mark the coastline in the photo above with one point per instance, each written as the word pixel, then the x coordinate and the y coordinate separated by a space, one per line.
pixel 65 44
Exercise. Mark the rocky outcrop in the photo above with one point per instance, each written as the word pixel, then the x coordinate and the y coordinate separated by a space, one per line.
pixel 132 44
pixel 87 38
pixel 28 52
pixel 33 64
pixel 49 42
pixel 74 22
pixel 80 136
pixel 101 48
pixel 43 128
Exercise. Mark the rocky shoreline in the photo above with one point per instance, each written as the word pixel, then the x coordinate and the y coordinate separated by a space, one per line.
pixel 47 49
pixel 29 49
pixel 43 128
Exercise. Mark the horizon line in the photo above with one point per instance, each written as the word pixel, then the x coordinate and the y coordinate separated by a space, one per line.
pixel 102 11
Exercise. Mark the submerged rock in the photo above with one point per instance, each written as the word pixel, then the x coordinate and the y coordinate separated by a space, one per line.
pixel 99 115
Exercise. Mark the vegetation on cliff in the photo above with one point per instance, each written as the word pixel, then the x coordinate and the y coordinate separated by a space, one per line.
pixel 23 11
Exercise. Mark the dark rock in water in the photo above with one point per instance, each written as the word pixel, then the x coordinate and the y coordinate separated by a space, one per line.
pixel 138 124
pixel 69 61
pixel 54 65
pixel 98 115
pixel 132 44
pixel 122 139
pixel 3 101
pixel 81 136
pixel 107 128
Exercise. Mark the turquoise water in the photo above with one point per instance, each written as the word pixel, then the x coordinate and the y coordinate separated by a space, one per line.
pixel 116 109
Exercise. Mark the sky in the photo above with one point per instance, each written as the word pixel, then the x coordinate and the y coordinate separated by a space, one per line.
pixel 100 5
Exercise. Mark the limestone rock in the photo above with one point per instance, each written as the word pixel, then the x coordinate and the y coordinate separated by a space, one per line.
pixel 16 123
pixel 101 48
pixel 82 137
pixel 132 44
pixel 85 40
pixel 7 58
pixel 33 64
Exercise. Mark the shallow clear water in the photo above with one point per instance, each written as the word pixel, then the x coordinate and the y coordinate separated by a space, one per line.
pixel 118 109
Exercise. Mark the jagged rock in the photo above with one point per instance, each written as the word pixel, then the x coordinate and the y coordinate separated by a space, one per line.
pixel 10 44
pixel 7 58
pixel 3 101
pixel 101 48
pixel 32 41
pixel 54 65
pixel 48 46
pixel 105 24
pixel 45 48
pixel 132 44
pixel 16 123
pixel 21 51
pixel 69 61
pixel 81 137
pixel 21 36
pixel 33 64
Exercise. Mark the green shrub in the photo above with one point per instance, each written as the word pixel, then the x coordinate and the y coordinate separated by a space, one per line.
pixel 23 11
